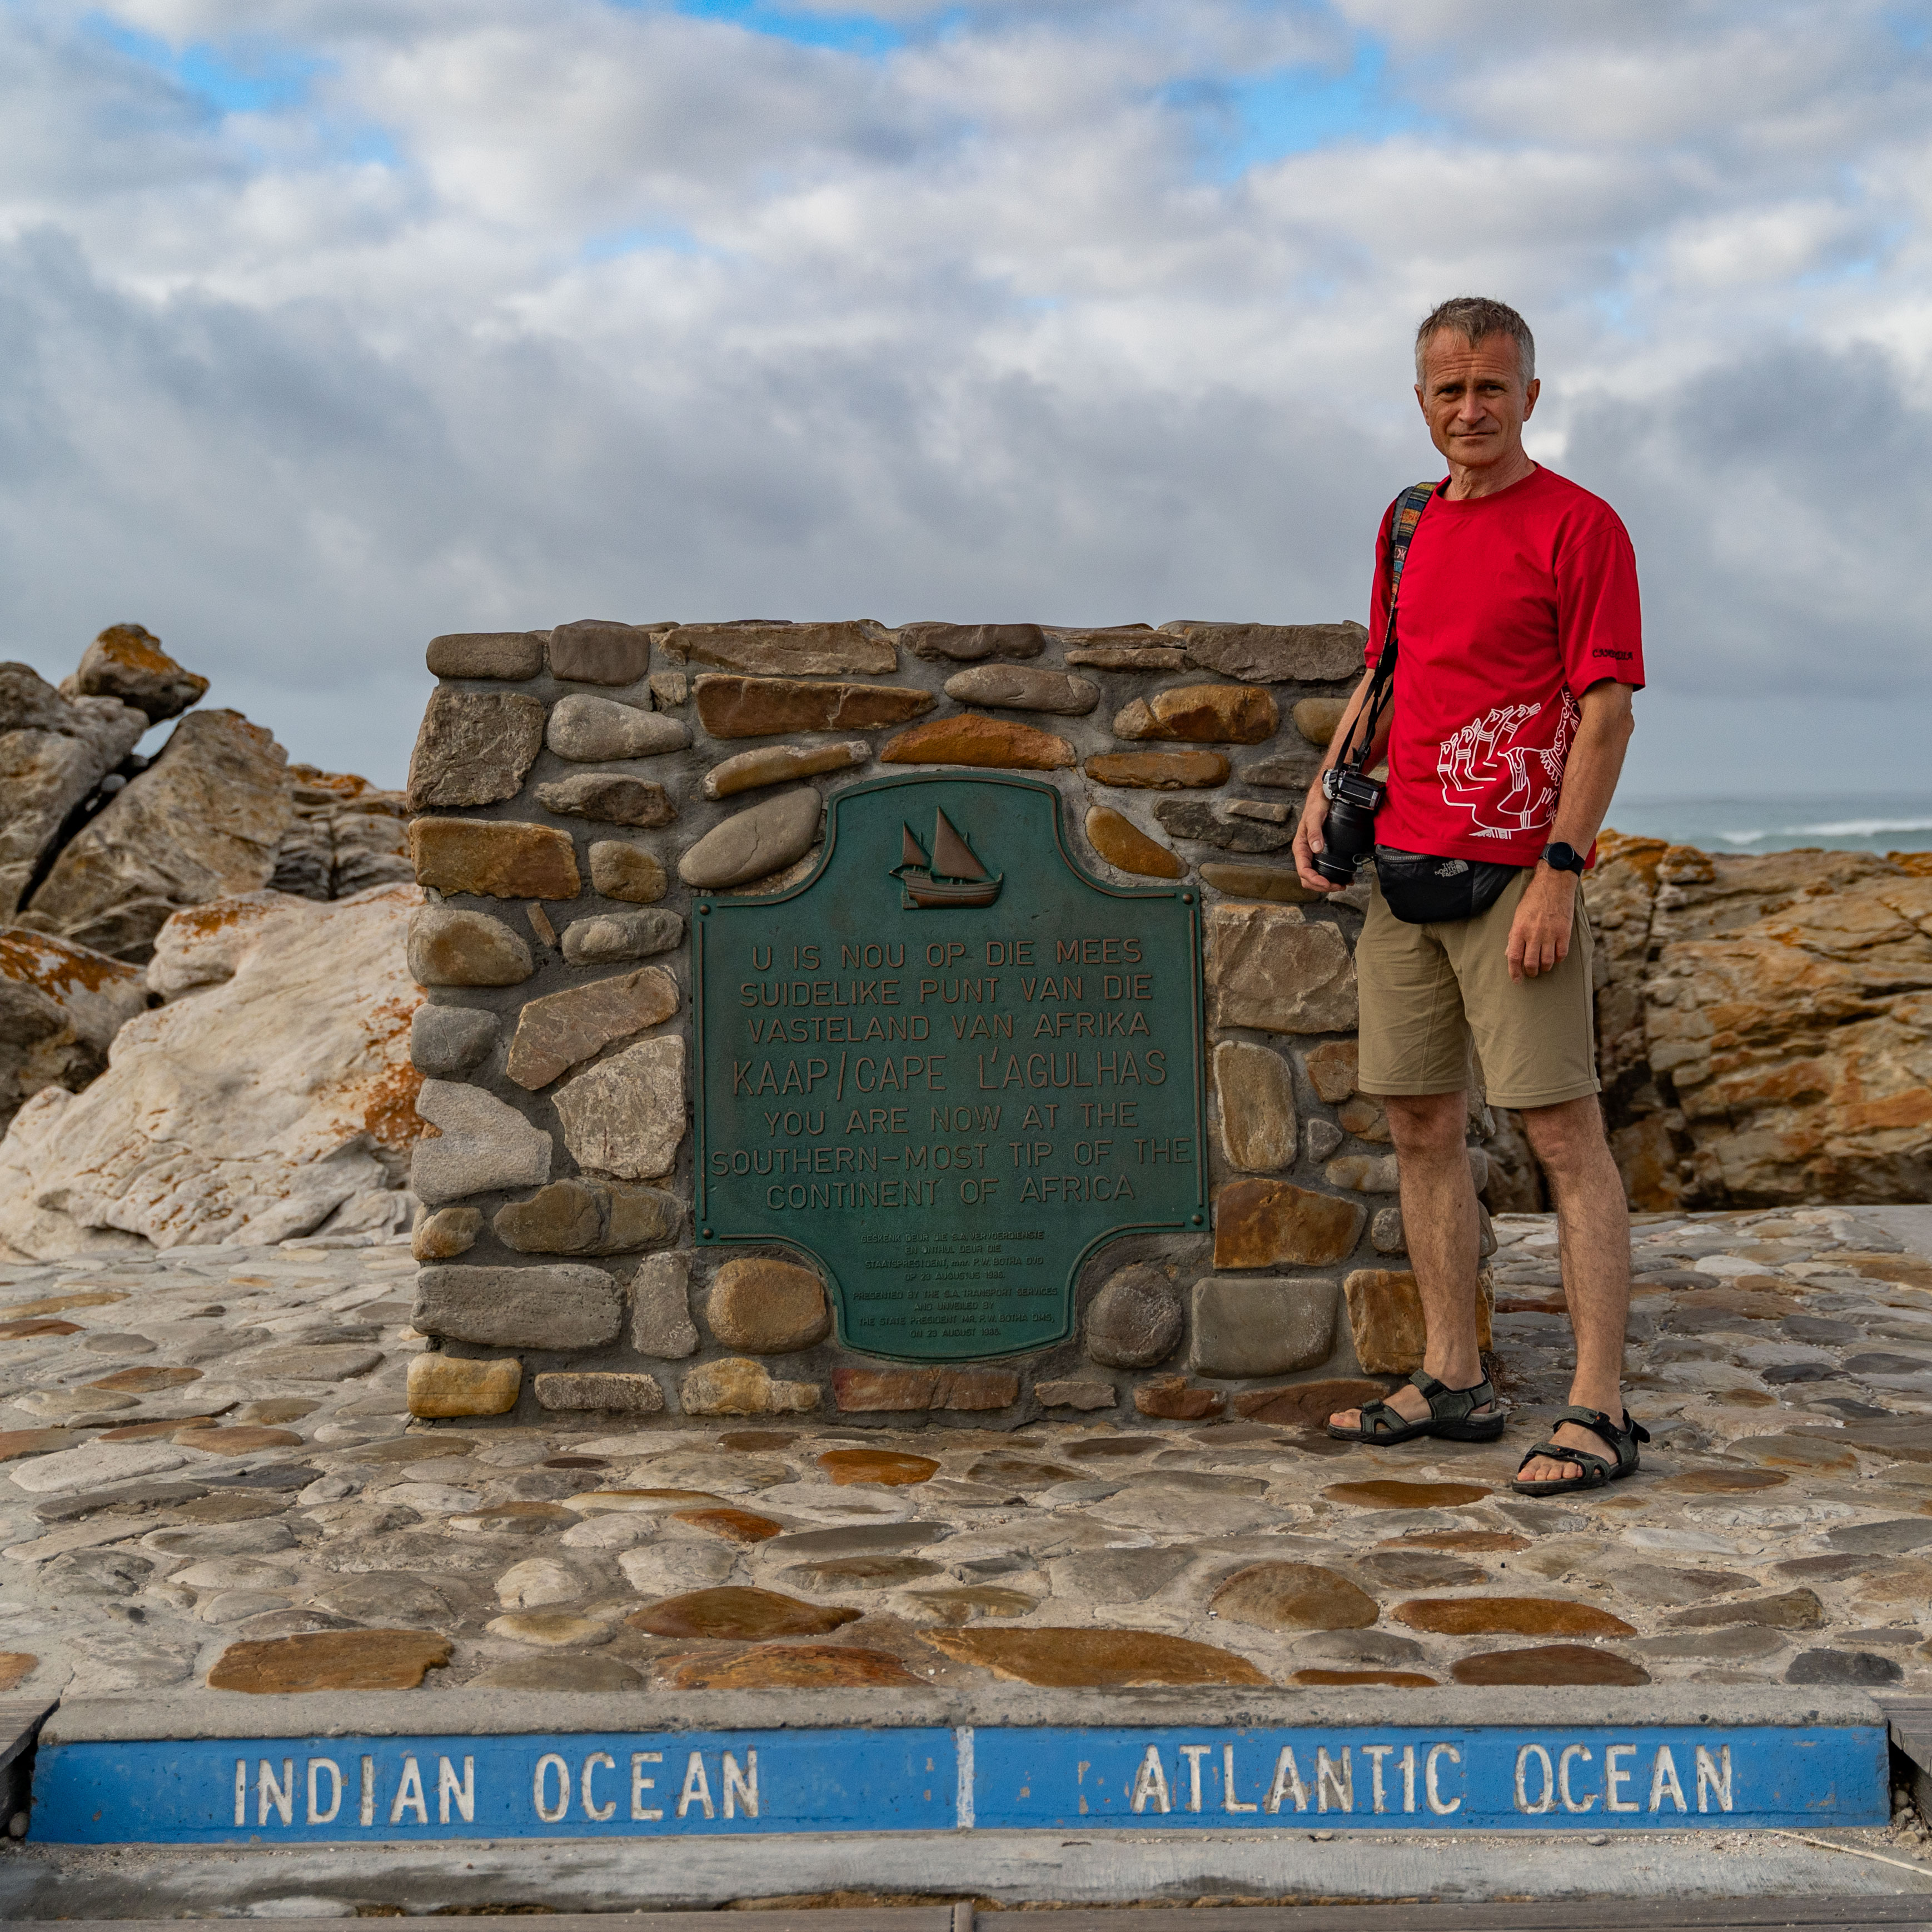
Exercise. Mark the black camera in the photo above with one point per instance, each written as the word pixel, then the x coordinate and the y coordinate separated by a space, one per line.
pixel 1349 836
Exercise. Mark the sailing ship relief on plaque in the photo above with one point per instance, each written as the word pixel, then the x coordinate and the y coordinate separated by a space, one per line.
pixel 948 1066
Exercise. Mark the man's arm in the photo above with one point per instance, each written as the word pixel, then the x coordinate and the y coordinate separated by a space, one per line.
pixel 1539 934
pixel 1308 834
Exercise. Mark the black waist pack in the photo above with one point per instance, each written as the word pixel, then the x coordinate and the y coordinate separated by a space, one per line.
pixel 1421 890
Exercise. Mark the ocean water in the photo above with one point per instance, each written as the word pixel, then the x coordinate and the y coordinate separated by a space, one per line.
pixel 1879 822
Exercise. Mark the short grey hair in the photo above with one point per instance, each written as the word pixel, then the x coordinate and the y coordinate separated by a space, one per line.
pixel 1473 317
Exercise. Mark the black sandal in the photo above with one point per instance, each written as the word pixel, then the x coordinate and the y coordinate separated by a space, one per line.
pixel 1598 1471
pixel 1451 1415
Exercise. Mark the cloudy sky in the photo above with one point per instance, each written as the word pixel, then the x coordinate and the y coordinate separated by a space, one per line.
pixel 328 325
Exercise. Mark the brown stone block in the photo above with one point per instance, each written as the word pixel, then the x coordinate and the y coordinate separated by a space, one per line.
pixel 868 1390
pixel 446 947
pixel 1510 1616
pixel 1319 718
pixel 1271 968
pixel 780 764
pixel 506 859
pixel 584 1215
pixel 1333 1067
pixel 767 1307
pixel 241 1439
pixel 972 643
pixel 793 1666
pixel 1276 653
pixel 622 870
pixel 1305 1404
pixel 1003 744
pixel 1081 1657
pixel 144 1380
pixel 1294 1597
pixel 737 1385
pixel 1080 1395
pixel 446 1234
pixel 1158 771
pixel 474 748
pixel 350 1660
pixel 21 1331
pixel 1024 687
pixel 1274 883
pixel 610 797
pixel 1385 1317
pixel 513 654
pixel 1548 1663
pixel 595 651
pixel 1386 1680
pixel 784 650
pixel 1121 842
pixel 561 1029
pixel 890 1468
pixel 1254 1094
pixel 1266 1223
pixel 611 1394
pixel 1201 714
pixel 17 1442
pixel 731 1525
pixel 1172 1399
pixel 761 707
pixel 1388 1493
pixel 737 1611
pixel 442 1385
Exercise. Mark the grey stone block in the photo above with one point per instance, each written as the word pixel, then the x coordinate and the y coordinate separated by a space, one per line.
pixel 587 1217
pixel 595 651
pixel 487 654
pixel 475 748
pixel 482 1144
pixel 609 797
pixel 1323 1137
pixel 1385 1232
pixel 660 1323
pixel 465 948
pixel 1135 1320
pixel 565 1305
pixel 628 1395
pixel 754 844
pixel 589 728
pixel 615 936
pixel 446 1042
pixel 1261 1327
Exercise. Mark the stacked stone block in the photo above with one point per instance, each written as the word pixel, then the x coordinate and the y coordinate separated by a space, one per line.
pixel 575 790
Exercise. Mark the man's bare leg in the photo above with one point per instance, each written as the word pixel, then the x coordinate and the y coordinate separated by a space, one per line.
pixel 1441 1229
pixel 1593 1228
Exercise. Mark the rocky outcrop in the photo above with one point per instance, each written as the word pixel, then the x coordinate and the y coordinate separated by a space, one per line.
pixel 127 662
pixel 345 835
pixel 272 1096
pixel 55 753
pixel 60 1008
pixel 1764 1023
pixel 202 822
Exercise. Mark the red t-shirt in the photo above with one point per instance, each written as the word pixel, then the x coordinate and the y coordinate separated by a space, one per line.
pixel 1512 606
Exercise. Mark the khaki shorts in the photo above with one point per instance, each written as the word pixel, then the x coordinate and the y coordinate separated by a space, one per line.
pixel 1434 996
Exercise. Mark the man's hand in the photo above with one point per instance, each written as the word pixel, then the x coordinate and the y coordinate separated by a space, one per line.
pixel 1309 841
pixel 1539 937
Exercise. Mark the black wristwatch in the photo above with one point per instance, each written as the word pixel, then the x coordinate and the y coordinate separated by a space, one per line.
pixel 1563 858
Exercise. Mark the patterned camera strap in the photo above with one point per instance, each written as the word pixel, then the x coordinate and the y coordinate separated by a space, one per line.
pixel 1408 511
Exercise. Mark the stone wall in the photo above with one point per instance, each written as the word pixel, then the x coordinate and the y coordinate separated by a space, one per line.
pixel 574 789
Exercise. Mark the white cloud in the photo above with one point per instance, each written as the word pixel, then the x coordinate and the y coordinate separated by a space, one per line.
pixel 533 309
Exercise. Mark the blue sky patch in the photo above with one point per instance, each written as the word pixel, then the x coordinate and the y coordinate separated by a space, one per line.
pixel 852 33
pixel 248 76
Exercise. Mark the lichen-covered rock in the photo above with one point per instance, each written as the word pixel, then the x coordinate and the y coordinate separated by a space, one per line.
pixel 589 729
pixel 767 1307
pixel 559 1030
pixel 608 938
pixel 1254 1094
pixel 1024 687
pixel 625 1116
pixel 53 754
pixel 1001 744
pixel 127 662
pixel 60 1007
pixel 481 1144
pixel 610 796
pixel 1271 968
pixel 761 707
pixel 278 1101
pixel 620 870
pixel 1121 842
pixel 508 654
pixel 499 857
pixel 449 948
pixel 754 843
pixel 1228 714
pixel 474 748
pixel 784 650
pixel 781 764
pixel 1276 653
pixel 202 822
pixel 1135 1320
pixel 585 1216
pixel 736 1385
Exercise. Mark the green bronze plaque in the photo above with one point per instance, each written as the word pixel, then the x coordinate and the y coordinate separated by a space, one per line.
pixel 948 1065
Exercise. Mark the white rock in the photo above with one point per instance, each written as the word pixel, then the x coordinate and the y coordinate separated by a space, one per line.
pixel 669 1569
pixel 432 1499
pixel 625 1116
pixel 94 1466
pixel 482 1144
pixel 610 1532
pixel 275 1103
pixel 529 1586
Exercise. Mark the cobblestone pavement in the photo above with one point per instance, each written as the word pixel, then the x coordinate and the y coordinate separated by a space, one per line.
pixel 212 1448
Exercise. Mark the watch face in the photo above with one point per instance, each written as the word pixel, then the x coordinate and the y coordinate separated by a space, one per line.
pixel 1562 856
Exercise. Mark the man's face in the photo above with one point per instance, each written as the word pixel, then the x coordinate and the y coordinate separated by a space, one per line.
pixel 1475 399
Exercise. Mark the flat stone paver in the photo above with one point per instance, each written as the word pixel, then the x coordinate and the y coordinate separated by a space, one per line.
pixel 1780 1531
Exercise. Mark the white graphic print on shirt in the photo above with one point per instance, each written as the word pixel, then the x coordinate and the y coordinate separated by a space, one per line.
pixel 1493 770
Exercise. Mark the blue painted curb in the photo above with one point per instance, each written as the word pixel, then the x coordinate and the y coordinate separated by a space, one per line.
pixel 675 1782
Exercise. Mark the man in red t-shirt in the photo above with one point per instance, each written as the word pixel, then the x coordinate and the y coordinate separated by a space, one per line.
pixel 1519 648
